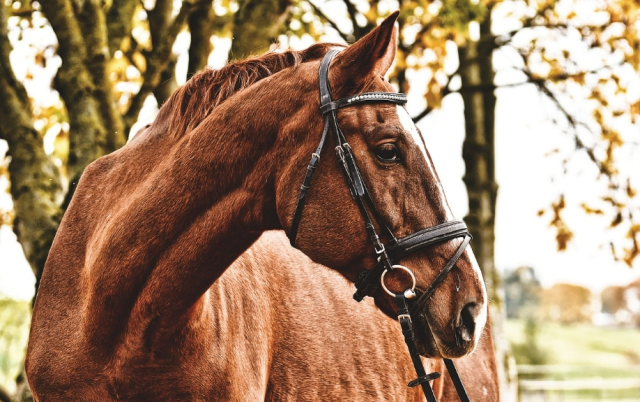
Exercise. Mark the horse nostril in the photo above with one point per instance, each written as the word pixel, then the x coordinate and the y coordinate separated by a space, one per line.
pixel 467 321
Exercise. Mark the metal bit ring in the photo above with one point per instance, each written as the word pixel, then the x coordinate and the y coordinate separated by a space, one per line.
pixel 409 293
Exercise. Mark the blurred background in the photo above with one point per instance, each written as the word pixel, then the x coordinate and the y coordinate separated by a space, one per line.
pixel 529 108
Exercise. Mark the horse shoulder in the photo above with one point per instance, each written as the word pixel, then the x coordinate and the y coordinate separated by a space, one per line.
pixel 326 346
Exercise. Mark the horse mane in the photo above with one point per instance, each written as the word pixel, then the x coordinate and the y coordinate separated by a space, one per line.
pixel 198 97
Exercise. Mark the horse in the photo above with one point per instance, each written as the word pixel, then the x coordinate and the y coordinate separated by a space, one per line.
pixel 320 344
pixel 125 309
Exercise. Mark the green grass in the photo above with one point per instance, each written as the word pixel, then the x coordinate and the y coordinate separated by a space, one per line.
pixel 580 352
pixel 583 345
pixel 15 317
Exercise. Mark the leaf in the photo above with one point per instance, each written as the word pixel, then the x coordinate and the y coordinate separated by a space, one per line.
pixel 590 210
pixel 617 220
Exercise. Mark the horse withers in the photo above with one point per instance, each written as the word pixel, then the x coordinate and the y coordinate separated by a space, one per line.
pixel 124 309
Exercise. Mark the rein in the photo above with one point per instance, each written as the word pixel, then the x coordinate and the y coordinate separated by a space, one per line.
pixel 368 281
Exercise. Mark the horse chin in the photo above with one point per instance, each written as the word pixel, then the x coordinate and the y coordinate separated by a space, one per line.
pixel 432 346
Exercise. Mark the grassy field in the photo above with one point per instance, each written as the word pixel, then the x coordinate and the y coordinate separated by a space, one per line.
pixel 605 362
pixel 583 345
pixel 14 330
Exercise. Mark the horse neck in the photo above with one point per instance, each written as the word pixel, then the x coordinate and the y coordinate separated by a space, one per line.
pixel 180 215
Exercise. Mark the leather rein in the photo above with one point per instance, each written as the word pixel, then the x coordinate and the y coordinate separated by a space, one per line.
pixel 368 281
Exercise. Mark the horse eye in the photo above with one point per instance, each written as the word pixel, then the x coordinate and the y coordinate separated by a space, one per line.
pixel 388 153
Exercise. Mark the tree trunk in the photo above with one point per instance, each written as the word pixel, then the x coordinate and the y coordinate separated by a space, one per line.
pixel 87 134
pixel 201 26
pixel 35 180
pixel 256 26
pixel 479 156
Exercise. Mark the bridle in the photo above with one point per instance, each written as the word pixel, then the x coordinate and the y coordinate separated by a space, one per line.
pixel 395 249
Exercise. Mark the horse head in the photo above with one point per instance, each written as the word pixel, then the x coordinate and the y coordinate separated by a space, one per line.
pixel 405 197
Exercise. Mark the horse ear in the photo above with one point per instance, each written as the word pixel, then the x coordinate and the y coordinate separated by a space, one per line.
pixel 373 54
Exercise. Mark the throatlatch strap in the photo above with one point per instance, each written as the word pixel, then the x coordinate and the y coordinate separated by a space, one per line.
pixel 325 96
pixel 315 158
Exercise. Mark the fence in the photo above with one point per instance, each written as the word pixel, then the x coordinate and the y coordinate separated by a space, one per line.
pixel 578 383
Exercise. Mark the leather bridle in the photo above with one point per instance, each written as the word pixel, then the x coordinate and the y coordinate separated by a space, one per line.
pixel 395 249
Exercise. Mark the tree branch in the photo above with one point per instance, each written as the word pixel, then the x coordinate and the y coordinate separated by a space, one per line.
pixel 119 22
pixel 542 87
pixel 422 114
pixel 541 84
pixel 156 63
pixel 256 25
pixel 35 180
pixel 324 17
pixel 358 31
pixel 159 20
pixel 93 24
pixel 201 28
pixel 446 91
pixel 76 87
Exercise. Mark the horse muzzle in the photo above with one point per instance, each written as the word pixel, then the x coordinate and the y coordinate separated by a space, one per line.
pixel 456 338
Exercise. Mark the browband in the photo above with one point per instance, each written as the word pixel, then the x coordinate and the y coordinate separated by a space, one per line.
pixel 399 99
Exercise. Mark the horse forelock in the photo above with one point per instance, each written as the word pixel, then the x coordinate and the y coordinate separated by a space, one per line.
pixel 190 104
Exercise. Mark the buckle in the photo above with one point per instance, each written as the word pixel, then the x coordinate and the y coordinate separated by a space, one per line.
pixel 407 316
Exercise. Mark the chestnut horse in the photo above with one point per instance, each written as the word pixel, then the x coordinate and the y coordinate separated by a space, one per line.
pixel 307 340
pixel 126 310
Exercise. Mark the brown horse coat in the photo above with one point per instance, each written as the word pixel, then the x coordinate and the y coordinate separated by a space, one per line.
pixel 127 309
pixel 303 338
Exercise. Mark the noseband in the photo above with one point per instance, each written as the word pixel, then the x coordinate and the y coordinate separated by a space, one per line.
pixel 396 249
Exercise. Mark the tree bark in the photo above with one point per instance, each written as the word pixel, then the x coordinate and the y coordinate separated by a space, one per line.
pixel 477 91
pixel 201 28
pixel 35 180
pixel 159 20
pixel 76 87
pixel 119 22
pixel 256 26
pixel 157 61
pixel 93 25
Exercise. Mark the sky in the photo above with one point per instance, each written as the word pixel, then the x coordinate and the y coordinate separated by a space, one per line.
pixel 528 178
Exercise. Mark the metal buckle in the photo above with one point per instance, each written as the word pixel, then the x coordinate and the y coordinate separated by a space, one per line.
pixel 407 316
pixel 409 294
pixel 379 251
